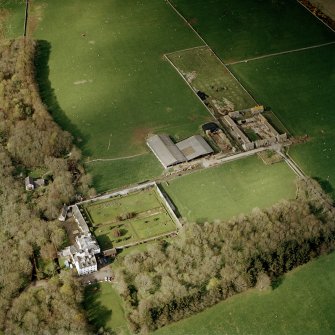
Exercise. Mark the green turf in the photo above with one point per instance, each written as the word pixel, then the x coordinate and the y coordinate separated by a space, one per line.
pixel 104 307
pixel 205 72
pixel 300 87
pixel 138 202
pixel 246 28
pixel 232 188
pixel 303 303
pixel 150 219
pixel 113 174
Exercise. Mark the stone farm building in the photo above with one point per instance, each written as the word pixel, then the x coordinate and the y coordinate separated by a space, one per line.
pixel 169 153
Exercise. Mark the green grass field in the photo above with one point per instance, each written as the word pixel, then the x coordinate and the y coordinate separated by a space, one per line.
pixel 114 174
pixel 150 218
pixel 303 303
pixel 242 29
pixel 230 189
pixel 104 307
pixel 299 87
pixel 104 78
pixel 205 72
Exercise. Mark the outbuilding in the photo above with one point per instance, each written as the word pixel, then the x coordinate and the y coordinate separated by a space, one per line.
pixel 194 147
pixel 165 150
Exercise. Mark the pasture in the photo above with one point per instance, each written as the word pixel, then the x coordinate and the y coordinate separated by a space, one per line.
pixel 123 220
pixel 301 95
pixel 104 78
pixel 302 302
pixel 230 189
pixel 203 70
pixel 242 29
pixel 114 174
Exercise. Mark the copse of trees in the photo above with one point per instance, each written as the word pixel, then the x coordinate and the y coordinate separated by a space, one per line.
pixel 30 139
pixel 29 314
pixel 210 262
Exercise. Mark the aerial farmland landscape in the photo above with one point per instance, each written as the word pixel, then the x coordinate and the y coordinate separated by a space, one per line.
pixel 167 167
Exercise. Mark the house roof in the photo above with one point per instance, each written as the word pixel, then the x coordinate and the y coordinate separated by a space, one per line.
pixel 165 150
pixel 29 181
pixel 211 126
pixel 194 146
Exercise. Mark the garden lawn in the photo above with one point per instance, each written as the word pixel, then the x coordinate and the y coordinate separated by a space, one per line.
pixel 237 30
pixel 300 87
pixel 104 307
pixel 150 219
pixel 303 303
pixel 105 210
pixel 205 72
pixel 230 189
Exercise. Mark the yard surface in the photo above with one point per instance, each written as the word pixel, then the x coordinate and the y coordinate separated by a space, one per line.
pixel 299 87
pixel 237 30
pixel 231 189
pixel 205 72
pixel 303 303
pixel 123 220
pixel 104 307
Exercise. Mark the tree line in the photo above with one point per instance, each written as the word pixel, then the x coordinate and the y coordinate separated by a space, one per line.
pixel 210 262
pixel 30 139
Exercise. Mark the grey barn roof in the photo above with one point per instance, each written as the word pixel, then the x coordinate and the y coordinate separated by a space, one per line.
pixel 194 146
pixel 165 150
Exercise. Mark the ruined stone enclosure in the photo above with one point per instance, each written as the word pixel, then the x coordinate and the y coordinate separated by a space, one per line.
pixel 251 129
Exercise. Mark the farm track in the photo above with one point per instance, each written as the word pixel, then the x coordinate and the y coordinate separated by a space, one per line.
pixel 115 159
pixel 280 53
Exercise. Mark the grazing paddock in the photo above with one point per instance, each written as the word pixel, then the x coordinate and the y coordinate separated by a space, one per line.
pixel 300 87
pixel 123 220
pixel 238 30
pixel 231 189
pixel 202 69
pixel 302 302
pixel 115 86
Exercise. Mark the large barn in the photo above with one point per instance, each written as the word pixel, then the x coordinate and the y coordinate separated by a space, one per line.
pixel 169 153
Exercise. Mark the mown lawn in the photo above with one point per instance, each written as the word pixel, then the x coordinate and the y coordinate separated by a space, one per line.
pixel 148 217
pixel 231 189
pixel 300 87
pixel 237 30
pixel 303 303
pixel 104 307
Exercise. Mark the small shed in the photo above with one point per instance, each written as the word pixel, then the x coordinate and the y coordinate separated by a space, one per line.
pixel 210 126
pixel 29 183
pixel 63 214
pixel 39 182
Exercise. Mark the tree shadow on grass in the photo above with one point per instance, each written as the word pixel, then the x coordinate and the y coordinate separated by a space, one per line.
pixel 97 314
pixel 326 186
pixel 276 282
pixel 48 96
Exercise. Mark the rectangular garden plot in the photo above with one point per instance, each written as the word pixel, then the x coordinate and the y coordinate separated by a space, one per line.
pixel 125 220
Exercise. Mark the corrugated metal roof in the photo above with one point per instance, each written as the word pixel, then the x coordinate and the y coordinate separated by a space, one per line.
pixel 165 150
pixel 194 146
